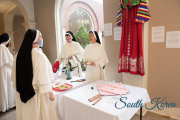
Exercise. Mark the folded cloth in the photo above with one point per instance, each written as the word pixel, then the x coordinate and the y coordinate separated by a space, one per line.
pixel 113 89
pixel 56 66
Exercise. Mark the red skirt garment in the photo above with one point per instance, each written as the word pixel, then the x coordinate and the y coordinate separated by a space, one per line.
pixel 131 50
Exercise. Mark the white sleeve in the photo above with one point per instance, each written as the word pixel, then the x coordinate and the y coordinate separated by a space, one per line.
pixel 13 73
pixel 6 57
pixel 60 60
pixel 10 64
pixel 45 88
pixel 80 53
pixel 43 75
pixel 84 58
pixel 84 54
pixel 102 59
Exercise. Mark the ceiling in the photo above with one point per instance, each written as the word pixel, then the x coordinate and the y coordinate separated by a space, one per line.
pixel 18 14
pixel 5 5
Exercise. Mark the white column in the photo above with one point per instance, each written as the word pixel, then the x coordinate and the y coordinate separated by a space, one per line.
pixel 63 41
pixel 59 26
pixel 63 35
pixel 100 35
pixel 11 34
pixel 29 25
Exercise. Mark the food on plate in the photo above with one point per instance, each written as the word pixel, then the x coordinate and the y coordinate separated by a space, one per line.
pixel 62 87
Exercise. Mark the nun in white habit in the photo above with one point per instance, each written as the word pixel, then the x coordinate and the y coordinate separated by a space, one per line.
pixel 7 93
pixel 95 58
pixel 72 50
pixel 31 76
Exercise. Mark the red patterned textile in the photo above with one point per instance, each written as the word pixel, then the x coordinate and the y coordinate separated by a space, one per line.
pixel 131 49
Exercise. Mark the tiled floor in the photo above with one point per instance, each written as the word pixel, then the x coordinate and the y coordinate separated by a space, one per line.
pixel 11 114
pixel 8 115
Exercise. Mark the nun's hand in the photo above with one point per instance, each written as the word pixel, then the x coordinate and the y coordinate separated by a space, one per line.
pixel 85 62
pixel 51 96
pixel 92 63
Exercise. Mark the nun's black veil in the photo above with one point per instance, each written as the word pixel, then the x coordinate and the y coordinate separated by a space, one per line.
pixel 97 36
pixel 4 38
pixel 24 68
pixel 74 39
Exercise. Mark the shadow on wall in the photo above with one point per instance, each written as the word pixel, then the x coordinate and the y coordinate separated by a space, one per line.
pixel 19 30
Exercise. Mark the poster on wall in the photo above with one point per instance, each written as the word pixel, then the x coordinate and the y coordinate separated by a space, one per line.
pixel 158 34
pixel 117 33
pixel 173 39
pixel 108 29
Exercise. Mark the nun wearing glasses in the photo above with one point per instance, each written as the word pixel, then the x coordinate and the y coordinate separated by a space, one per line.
pixel 95 58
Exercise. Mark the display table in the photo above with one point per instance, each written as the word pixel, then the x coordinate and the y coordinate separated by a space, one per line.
pixel 58 95
pixel 77 106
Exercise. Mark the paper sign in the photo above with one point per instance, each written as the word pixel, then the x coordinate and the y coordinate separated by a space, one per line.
pixel 117 33
pixel 158 34
pixel 108 29
pixel 173 39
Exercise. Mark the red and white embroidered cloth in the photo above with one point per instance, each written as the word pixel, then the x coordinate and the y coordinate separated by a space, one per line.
pixel 131 49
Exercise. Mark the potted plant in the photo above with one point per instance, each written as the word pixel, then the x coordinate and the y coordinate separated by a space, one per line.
pixel 69 70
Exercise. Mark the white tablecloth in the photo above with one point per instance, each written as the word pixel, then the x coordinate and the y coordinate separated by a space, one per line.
pixel 58 95
pixel 77 106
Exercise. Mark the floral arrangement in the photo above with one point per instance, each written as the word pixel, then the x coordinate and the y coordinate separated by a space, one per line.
pixel 69 66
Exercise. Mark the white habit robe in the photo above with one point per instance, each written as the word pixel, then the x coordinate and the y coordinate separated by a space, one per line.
pixel 7 93
pixel 95 53
pixel 72 49
pixel 11 51
pixel 39 107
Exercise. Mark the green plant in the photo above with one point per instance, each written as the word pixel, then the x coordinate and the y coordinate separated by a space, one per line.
pixel 82 66
pixel 68 66
pixel 82 38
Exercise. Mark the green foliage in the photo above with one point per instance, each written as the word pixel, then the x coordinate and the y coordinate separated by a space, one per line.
pixel 82 66
pixel 73 68
pixel 64 68
pixel 82 37
pixel 66 72
pixel 70 67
